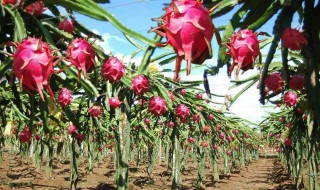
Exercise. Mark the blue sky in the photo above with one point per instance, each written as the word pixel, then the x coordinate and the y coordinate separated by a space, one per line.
pixel 137 15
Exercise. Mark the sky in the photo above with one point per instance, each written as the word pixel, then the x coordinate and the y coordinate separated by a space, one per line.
pixel 137 15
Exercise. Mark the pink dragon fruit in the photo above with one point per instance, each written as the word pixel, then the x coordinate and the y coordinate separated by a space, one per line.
pixel 157 106
pixel 191 140
pixel 297 82
pixel 199 96
pixel 210 116
pixel 293 39
pixel 228 152
pixel 147 121
pixel 140 84
pixel 36 8
pixel 236 148
pixel 215 147
pixel 80 137
pixel 182 112
pixel 246 135
pixel 95 111
pixel 112 70
pixel 205 144
pixel 171 95
pixel 281 119
pixel 66 25
pixel 221 136
pixel 25 135
pixel 274 81
pixel 289 125
pixel 290 98
pixel 287 141
pixel 183 92
pixel 196 118
pixel 171 124
pixel 206 129
pixel 114 102
pixel 12 2
pixel 38 137
pixel 72 129
pixel 278 136
pixel 244 49
pixel 81 55
pixel 64 97
pixel 189 30
pixel 33 66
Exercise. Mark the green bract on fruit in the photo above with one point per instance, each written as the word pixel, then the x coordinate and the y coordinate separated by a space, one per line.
pixel 188 28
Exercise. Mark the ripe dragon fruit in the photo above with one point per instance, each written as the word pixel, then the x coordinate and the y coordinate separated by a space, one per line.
pixel 33 66
pixel 36 8
pixel 199 96
pixel 290 98
pixel 80 137
pixel 189 29
pixel 210 116
pixel 191 140
pixel 147 121
pixel 12 2
pixel 66 25
pixel 215 147
pixel 205 144
pixel 287 141
pixel 72 129
pixel 64 97
pixel 182 112
pixel 297 82
pixel 140 84
pixel 81 55
pixel 95 111
pixel 293 39
pixel 274 81
pixel 183 92
pixel 114 102
pixel 157 106
pixel 196 118
pixel 171 124
pixel 206 129
pixel 112 70
pixel 25 135
pixel 244 49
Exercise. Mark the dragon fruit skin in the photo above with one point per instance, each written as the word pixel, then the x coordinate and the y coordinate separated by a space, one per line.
pixel 189 29
pixel 274 82
pixel 244 49
pixel 67 26
pixel 140 84
pixel 12 2
pixel 293 39
pixel 114 102
pixel 182 112
pixel 112 70
pixel 287 141
pixel 36 8
pixel 25 135
pixel 290 98
pixel 64 97
pixel 72 129
pixel 157 106
pixel 81 55
pixel 297 82
pixel 95 111
pixel 33 66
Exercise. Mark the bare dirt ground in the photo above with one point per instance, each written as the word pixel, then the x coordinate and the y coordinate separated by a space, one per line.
pixel 18 173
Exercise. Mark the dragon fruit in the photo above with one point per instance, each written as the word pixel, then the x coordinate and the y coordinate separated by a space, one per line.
pixel 81 55
pixel 72 129
pixel 244 49
pixel 140 84
pixel 215 147
pixel 199 96
pixel 210 116
pixel 228 152
pixel 290 98
pixel 33 66
pixel 66 25
pixel 171 124
pixel 293 39
pixel 205 144
pixel 297 82
pixel 191 140
pixel 114 102
pixel 147 121
pixel 64 97
pixel 112 70
pixel 80 137
pixel 182 112
pixel 287 141
pixel 183 92
pixel 221 136
pixel 274 81
pixel 157 106
pixel 171 95
pixel 196 118
pixel 12 2
pixel 25 135
pixel 189 29
pixel 36 8
pixel 206 129
pixel 95 111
